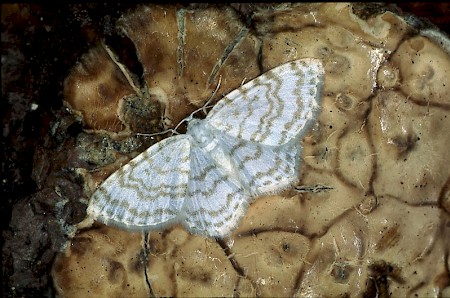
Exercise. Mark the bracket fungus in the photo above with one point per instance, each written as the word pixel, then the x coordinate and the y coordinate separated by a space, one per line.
pixel 377 220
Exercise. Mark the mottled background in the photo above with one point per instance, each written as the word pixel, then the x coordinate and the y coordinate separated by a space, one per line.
pixel 40 43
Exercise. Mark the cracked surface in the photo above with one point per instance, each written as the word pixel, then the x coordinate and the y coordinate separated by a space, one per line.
pixel 381 225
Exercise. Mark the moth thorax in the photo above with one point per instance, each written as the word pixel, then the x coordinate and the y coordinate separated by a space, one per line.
pixel 202 134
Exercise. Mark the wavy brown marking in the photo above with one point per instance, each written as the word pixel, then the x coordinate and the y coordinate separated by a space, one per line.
pixel 158 211
pixel 267 120
pixel 260 175
pixel 226 220
pixel 300 111
pixel 247 156
pixel 158 188
pixel 244 113
pixel 257 155
pixel 217 212
pixel 270 172
pixel 210 190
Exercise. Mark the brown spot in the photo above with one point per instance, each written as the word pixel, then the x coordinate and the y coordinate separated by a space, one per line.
pixel 380 273
pixel 60 271
pixel 137 263
pixel 382 268
pixel 196 274
pixel 106 94
pixel 341 272
pixel 59 265
pixel 389 238
pixel 442 281
pixel 116 271
pixel 156 246
pixel 337 64
pixel 80 245
pixel 404 144
pixel 344 102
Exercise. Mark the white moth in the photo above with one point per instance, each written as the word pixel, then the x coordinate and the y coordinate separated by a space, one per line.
pixel 247 146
